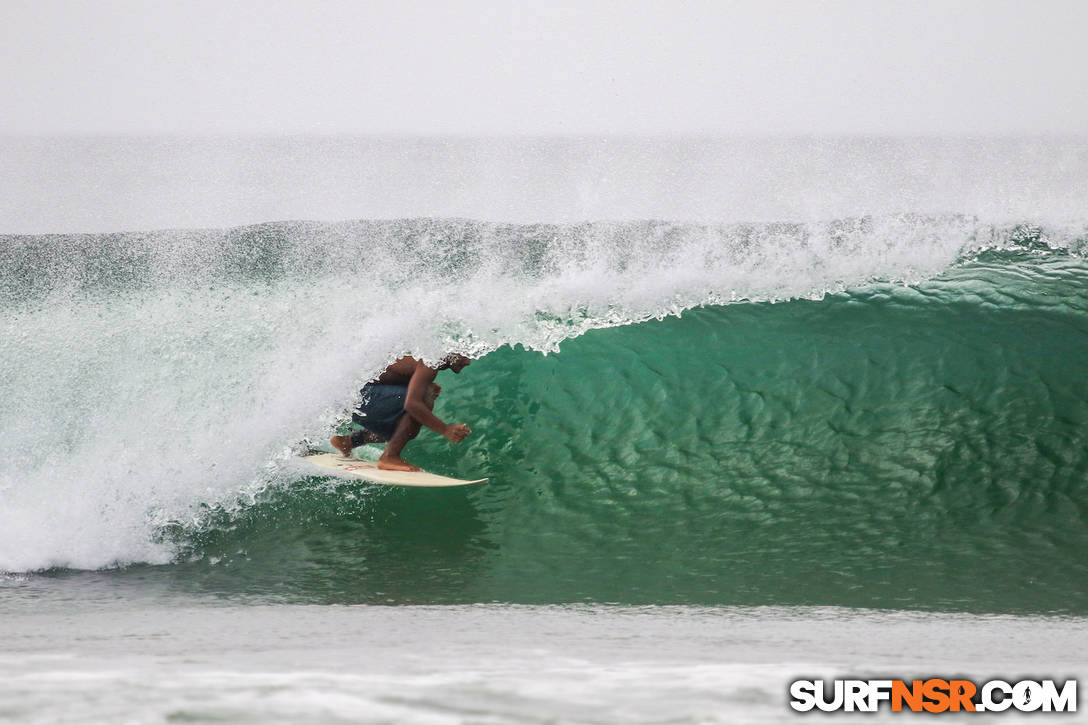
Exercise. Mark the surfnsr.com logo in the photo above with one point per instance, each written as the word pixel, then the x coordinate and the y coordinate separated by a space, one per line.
pixel 933 695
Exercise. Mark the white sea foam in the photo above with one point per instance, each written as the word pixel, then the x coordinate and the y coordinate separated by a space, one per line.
pixel 490 663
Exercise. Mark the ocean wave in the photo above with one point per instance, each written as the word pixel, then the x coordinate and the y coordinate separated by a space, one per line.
pixel 859 398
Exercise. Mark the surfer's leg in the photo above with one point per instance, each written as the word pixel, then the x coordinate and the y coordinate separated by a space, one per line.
pixel 345 444
pixel 407 429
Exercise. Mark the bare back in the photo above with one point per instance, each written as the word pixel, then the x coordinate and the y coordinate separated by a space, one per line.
pixel 400 372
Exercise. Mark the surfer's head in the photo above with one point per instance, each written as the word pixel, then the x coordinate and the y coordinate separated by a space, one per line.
pixel 455 362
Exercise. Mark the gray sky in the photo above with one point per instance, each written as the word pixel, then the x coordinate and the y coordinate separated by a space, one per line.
pixel 541 67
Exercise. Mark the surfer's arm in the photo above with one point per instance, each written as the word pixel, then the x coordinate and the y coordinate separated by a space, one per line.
pixel 414 406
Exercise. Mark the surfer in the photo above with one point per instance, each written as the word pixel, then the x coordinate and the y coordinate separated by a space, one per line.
pixel 396 404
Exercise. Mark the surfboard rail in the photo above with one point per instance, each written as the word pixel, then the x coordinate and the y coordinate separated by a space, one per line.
pixel 369 471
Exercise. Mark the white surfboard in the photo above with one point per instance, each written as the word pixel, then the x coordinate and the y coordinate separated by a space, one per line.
pixel 369 471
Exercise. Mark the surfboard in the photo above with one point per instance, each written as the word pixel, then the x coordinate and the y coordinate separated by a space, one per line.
pixel 369 471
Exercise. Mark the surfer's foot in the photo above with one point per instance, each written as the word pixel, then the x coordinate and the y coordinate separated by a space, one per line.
pixel 345 444
pixel 396 463
pixel 342 444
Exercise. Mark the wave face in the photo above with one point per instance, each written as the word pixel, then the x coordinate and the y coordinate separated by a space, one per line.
pixel 875 411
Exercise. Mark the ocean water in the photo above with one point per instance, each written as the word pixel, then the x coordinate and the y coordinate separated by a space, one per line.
pixel 750 410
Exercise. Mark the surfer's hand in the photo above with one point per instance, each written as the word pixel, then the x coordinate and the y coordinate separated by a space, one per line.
pixel 456 433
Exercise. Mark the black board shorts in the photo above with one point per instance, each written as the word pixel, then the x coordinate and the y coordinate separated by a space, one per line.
pixel 381 408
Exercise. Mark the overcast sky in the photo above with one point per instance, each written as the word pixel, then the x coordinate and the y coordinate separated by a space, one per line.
pixel 543 67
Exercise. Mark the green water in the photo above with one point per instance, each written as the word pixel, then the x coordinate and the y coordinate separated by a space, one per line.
pixel 908 447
